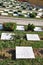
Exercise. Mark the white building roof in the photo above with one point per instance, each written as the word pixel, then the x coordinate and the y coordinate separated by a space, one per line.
pixel 23 11
pixel 33 37
pixel 4 14
pixel 20 28
pixel 15 10
pixel 40 9
pixel 18 6
pixel 10 12
pixel 10 5
pixel 15 14
pixel 7 36
pixel 25 15
pixel 34 9
pixel 6 9
pixel 38 29
pixel 1 11
pixel 38 16
pixel 24 52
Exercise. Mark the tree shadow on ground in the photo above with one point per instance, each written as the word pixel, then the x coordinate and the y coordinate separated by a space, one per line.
pixel 13 54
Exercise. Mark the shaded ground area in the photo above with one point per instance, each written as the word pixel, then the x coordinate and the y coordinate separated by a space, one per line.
pixel 38 52
pixel 7 53
pixel 10 53
pixel 41 38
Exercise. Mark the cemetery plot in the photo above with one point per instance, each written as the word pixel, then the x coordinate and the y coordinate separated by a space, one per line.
pixel 33 37
pixel 24 52
pixel 38 29
pixel 20 28
pixel 7 36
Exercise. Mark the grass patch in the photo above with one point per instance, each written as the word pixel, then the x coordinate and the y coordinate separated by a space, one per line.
pixel 22 42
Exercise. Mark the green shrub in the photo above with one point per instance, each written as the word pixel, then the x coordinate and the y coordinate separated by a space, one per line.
pixel 19 11
pixel 1 4
pixel 9 26
pixel 32 15
pixel 30 27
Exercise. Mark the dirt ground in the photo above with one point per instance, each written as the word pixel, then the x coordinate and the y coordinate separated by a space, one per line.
pixel 38 52
pixel 8 52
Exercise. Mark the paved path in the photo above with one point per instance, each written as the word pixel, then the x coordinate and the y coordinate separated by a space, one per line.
pixel 37 22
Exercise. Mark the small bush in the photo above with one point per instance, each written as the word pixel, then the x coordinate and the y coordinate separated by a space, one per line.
pixel 9 26
pixel 32 15
pixel 30 27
